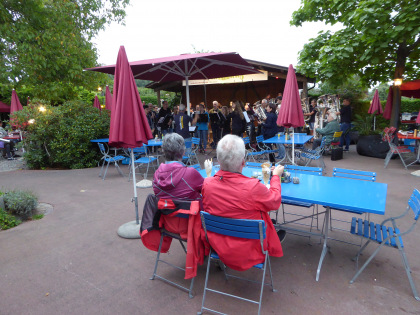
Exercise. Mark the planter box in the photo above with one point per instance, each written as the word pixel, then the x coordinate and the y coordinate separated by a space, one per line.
pixel 373 146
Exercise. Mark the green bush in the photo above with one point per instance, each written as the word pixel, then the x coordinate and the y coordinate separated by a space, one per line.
pixel 60 136
pixel 7 221
pixel 20 203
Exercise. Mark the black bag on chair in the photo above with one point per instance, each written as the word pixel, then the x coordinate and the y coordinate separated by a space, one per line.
pixel 336 154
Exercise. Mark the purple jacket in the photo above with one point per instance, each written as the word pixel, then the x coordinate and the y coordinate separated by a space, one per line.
pixel 176 181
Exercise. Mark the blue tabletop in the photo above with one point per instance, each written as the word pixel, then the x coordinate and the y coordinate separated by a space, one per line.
pixel 154 143
pixel 106 140
pixel 299 139
pixel 336 192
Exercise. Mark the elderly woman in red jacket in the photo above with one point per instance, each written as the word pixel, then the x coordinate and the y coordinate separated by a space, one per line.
pixel 247 198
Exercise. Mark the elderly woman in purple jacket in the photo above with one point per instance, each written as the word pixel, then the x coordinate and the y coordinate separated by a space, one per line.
pixel 174 180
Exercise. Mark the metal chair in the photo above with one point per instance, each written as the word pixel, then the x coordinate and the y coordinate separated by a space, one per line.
pixel 252 153
pixel 106 158
pixel 191 150
pixel 314 155
pixel 296 169
pixel 247 229
pixel 390 236
pixel 388 136
pixel 145 160
pixel 178 209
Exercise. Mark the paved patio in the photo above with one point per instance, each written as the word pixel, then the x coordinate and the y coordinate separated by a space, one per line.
pixel 73 262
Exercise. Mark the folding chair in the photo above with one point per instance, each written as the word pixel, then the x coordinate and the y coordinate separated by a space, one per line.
pixel 253 153
pixel 356 175
pixel 181 211
pixel 253 164
pixel 189 155
pixel 247 229
pixel 389 236
pixel 393 148
pixel 335 141
pixel 314 155
pixel 106 158
pixel 296 169
pixel 145 160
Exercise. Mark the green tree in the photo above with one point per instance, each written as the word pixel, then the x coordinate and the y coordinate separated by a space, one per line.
pixel 379 40
pixel 47 43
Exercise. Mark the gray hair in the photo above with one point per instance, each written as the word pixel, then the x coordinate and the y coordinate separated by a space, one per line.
pixel 231 153
pixel 215 103
pixel 173 147
pixel 333 115
pixel 181 107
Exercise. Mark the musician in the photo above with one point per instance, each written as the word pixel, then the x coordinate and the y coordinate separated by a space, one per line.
pixel 215 123
pixel 312 114
pixel 269 126
pixel 164 118
pixel 201 120
pixel 149 118
pixel 225 126
pixel 328 131
pixel 253 122
pixel 182 121
pixel 238 119
pixel 345 114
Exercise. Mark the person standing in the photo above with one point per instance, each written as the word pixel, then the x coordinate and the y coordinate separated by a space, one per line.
pixel 164 119
pixel 201 120
pixel 9 146
pixel 150 120
pixel 312 115
pixel 238 119
pixel 345 114
pixel 215 122
pixel 226 121
pixel 182 121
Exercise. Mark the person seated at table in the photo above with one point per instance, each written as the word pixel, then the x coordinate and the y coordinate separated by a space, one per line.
pixel 9 145
pixel 174 180
pixel 232 195
pixel 328 131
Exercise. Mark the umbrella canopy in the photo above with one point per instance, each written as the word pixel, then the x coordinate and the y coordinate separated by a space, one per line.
pixel 418 118
pixel 187 67
pixel 96 103
pixel 108 99
pixel 375 106
pixel 411 89
pixel 15 104
pixel 291 114
pixel 4 108
pixel 129 127
pixel 388 106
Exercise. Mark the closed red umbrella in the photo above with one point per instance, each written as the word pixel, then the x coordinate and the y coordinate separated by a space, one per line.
pixel 15 104
pixel 375 108
pixel 291 114
pixel 418 118
pixel 4 108
pixel 108 99
pixel 129 127
pixel 388 106
pixel 96 103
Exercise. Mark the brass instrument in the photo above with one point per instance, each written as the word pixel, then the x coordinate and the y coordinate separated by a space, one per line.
pixel 305 108
pixel 325 103
pixel 259 111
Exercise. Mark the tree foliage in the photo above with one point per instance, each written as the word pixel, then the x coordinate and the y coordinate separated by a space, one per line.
pixel 46 43
pixel 379 40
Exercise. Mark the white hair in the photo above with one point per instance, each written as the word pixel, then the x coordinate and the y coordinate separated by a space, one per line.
pixel 181 107
pixel 215 103
pixel 231 153
pixel 333 115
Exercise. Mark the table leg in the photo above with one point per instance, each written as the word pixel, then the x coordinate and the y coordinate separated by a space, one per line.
pixel 417 160
pixel 325 247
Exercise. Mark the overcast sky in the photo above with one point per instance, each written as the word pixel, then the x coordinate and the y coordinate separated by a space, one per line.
pixel 257 30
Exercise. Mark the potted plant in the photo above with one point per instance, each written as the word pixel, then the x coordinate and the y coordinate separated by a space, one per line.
pixel 370 141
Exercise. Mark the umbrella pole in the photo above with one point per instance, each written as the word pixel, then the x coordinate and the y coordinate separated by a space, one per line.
pixel 187 91
pixel 136 206
pixel 374 122
pixel 293 146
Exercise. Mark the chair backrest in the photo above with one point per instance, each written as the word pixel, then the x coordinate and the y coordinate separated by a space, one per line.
pixel 253 164
pixel 188 144
pixel 337 136
pixel 322 145
pixel 242 228
pixel 354 174
pixel 307 170
pixel 246 140
pixel 414 203
pixel 195 140
pixel 102 148
pixel 196 166
pixel 259 139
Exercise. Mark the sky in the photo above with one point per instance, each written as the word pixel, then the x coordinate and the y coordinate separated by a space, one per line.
pixel 257 30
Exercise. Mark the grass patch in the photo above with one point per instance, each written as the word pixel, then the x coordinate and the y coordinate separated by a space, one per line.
pixel 37 216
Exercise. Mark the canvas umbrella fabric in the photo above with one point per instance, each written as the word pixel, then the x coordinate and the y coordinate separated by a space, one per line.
pixel 4 108
pixel 291 114
pixel 375 108
pixel 388 106
pixel 108 99
pixel 129 127
pixel 15 103
pixel 96 103
pixel 187 67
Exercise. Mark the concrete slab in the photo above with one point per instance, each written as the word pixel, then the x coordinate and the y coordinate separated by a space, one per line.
pixel 73 262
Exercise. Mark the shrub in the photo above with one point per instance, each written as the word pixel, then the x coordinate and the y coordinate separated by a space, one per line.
pixel 60 136
pixel 7 221
pixel 20 203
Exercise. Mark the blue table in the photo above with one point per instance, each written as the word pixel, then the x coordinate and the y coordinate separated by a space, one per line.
pixel 357 195
pixel 103 140
pixel 299 139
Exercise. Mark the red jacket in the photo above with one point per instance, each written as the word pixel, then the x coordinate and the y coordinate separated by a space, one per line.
pixel 236 196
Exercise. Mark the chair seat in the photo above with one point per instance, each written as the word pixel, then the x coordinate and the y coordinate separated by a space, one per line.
pixel 114 158
pixel 374 232
pixel 145 160
pixel 401 149
pixel 214 255
pixel 310 156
